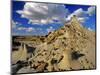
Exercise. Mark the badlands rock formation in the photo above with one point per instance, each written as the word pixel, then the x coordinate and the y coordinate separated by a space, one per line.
pixel 72 47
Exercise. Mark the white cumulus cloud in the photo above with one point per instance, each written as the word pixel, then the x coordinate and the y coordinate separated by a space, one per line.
pixel 82 19
pixel 90 29
pixel 13 24
pixel 29 29
pixel 43 13
pixel 81 14
pixel 91 10
pixel 50 29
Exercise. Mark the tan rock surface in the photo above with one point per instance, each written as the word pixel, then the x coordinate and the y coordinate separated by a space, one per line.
pixel 70 48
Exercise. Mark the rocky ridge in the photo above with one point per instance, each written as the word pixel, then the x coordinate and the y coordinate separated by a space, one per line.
pixel 72 47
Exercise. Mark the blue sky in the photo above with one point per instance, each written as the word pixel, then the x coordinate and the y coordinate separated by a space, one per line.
pixel 29 18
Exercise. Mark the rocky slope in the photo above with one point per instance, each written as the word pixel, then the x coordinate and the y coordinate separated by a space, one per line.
pixel 72 47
